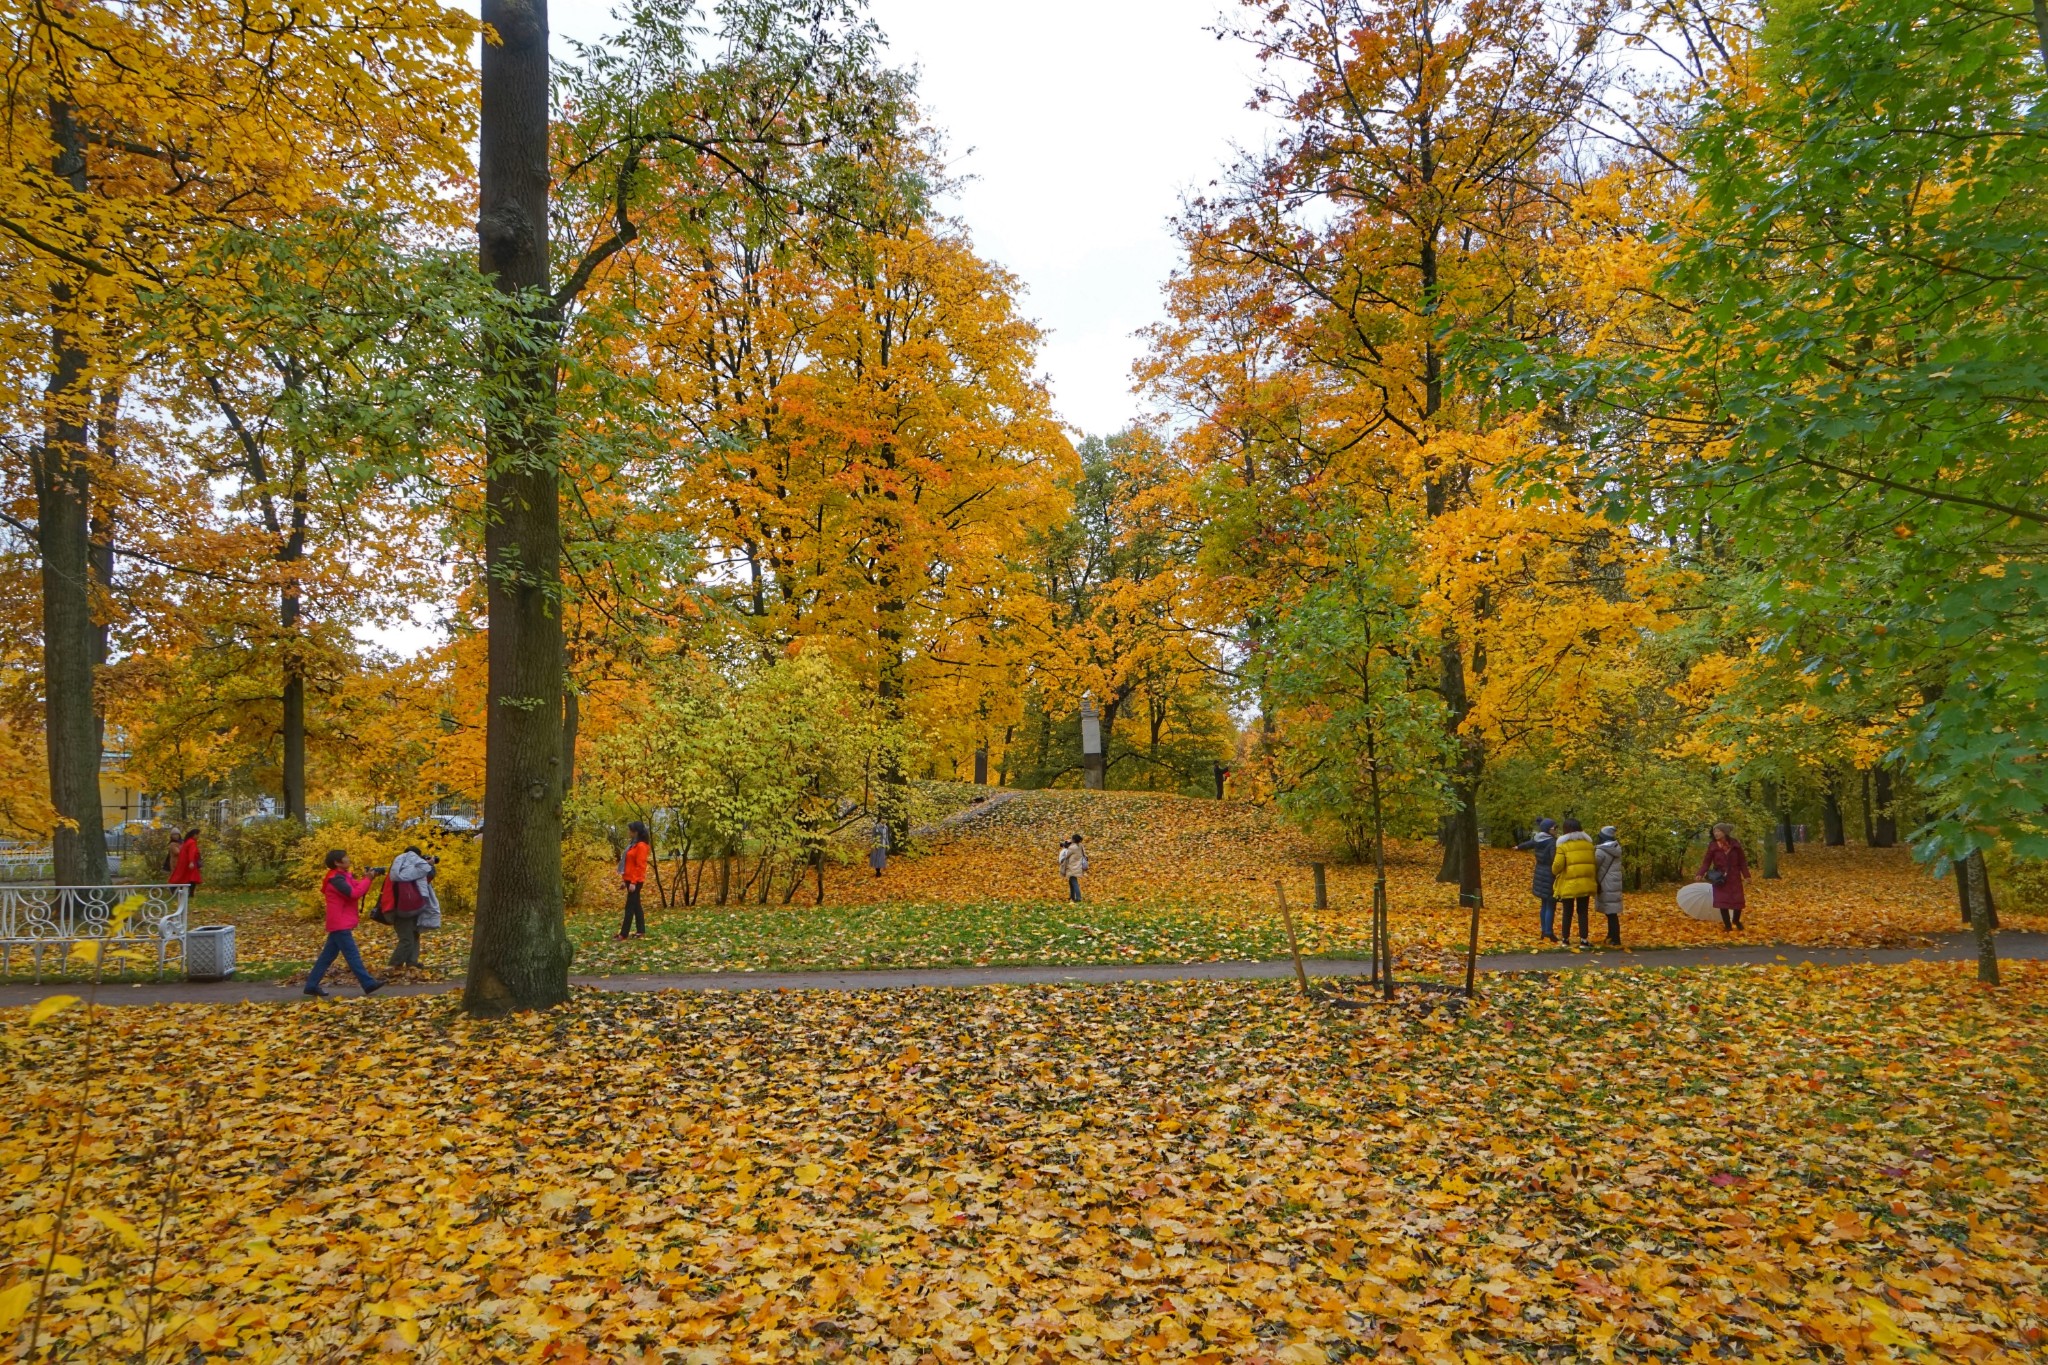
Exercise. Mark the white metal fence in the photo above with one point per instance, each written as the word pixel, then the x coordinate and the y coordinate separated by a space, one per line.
pixel 40 918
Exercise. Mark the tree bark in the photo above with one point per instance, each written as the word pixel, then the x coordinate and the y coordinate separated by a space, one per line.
pixel 1770 839
pixel 1886 833
pixel 520 950
pixel 63 486
pixel 1869 829
pixel 572 724
pixel 1831 812
pixel 1461 826
pixel 290 556
pixel 1981 916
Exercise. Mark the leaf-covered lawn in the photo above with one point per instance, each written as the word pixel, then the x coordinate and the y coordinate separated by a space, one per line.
pixel 1764 1163
pixel 1173 880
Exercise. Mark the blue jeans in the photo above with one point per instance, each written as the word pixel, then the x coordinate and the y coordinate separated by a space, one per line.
pixel 1549 915
pixel 340 943
pixel 1074 889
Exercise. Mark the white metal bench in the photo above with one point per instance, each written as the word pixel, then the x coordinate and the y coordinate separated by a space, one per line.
pixel 26 864
pixel 39 918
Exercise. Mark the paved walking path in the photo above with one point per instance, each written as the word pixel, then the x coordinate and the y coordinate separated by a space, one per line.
pixel 1949 948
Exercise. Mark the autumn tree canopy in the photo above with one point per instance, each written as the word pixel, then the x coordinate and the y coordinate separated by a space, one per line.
pixel 1568 408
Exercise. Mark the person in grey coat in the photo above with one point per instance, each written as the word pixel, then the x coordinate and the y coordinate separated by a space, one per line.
pixel 1543 843
pixel 1607 864
pixel 412 879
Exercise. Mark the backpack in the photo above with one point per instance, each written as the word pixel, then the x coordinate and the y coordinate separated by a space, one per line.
pixel 405 898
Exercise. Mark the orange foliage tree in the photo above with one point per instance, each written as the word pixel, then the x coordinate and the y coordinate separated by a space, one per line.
pixel 139 132
pixel 1334 343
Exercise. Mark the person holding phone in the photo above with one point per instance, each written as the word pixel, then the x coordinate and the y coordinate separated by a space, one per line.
pixel 343 892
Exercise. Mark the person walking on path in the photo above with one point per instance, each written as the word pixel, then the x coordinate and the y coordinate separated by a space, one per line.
pixel 878 847
pixel 1576 877
pixel 412 888
pixel 1726 866
pixel 1073 862
pixel 185 866
pixel 633 875
pixel 343 892
pixel 1607 869
pixel 1543 843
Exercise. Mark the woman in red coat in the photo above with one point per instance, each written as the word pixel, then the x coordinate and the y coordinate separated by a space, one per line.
pixel 1727 867
pixel 185 865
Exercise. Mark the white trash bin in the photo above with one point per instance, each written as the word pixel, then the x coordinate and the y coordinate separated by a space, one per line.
pixel 210 952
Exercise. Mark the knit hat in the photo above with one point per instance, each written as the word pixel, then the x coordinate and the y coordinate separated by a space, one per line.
pixel 1545 825
pixel 1609 832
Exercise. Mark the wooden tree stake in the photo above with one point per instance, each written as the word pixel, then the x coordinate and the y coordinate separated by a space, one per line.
pixel 1293 943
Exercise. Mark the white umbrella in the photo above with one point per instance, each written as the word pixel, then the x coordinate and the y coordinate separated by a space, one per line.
pixel 1697 900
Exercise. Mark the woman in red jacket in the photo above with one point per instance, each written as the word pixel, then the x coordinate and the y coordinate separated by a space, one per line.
pixel 633 873
pixel 185 865
pixel 1727 867
pixel 343 892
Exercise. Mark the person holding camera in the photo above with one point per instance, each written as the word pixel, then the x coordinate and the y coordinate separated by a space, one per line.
pixel 343 891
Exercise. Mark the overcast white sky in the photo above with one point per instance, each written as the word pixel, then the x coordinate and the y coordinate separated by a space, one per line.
pixel 1081 123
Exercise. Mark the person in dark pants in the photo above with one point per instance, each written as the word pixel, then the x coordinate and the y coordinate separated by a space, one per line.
pixel 412 874
pixel 1577 877
pixel 1543 843
pixel 633 873
pixel 343 892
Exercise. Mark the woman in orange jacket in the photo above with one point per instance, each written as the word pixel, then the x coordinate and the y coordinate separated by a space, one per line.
pixel 633 873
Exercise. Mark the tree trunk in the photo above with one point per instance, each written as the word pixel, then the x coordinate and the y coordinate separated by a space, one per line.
pixel 1886 833
pixel 294 781
pixel 1831 812
pixel 293 552
pixel 1770 839
pixel 1981 917
pixel 63 485
pixel 1460 831
pixel 520 951
pixel 101 527
pixel 572 723
pixel 1869 830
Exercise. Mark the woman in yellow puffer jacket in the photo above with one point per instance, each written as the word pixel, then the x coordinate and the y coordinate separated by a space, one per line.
pixel 1577 874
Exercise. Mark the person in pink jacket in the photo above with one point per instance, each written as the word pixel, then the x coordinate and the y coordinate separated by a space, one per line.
pixel 343 892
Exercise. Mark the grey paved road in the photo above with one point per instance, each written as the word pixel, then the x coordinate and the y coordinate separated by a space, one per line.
pixel 1948 948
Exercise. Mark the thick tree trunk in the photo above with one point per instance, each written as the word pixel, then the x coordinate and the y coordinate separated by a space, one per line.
pixel 1886 833
pixel 1831 812
pixel 71 641
pixel 520 951
pixel 1981 918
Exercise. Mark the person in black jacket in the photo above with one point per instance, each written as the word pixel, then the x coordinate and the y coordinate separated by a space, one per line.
pixel 1543 843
